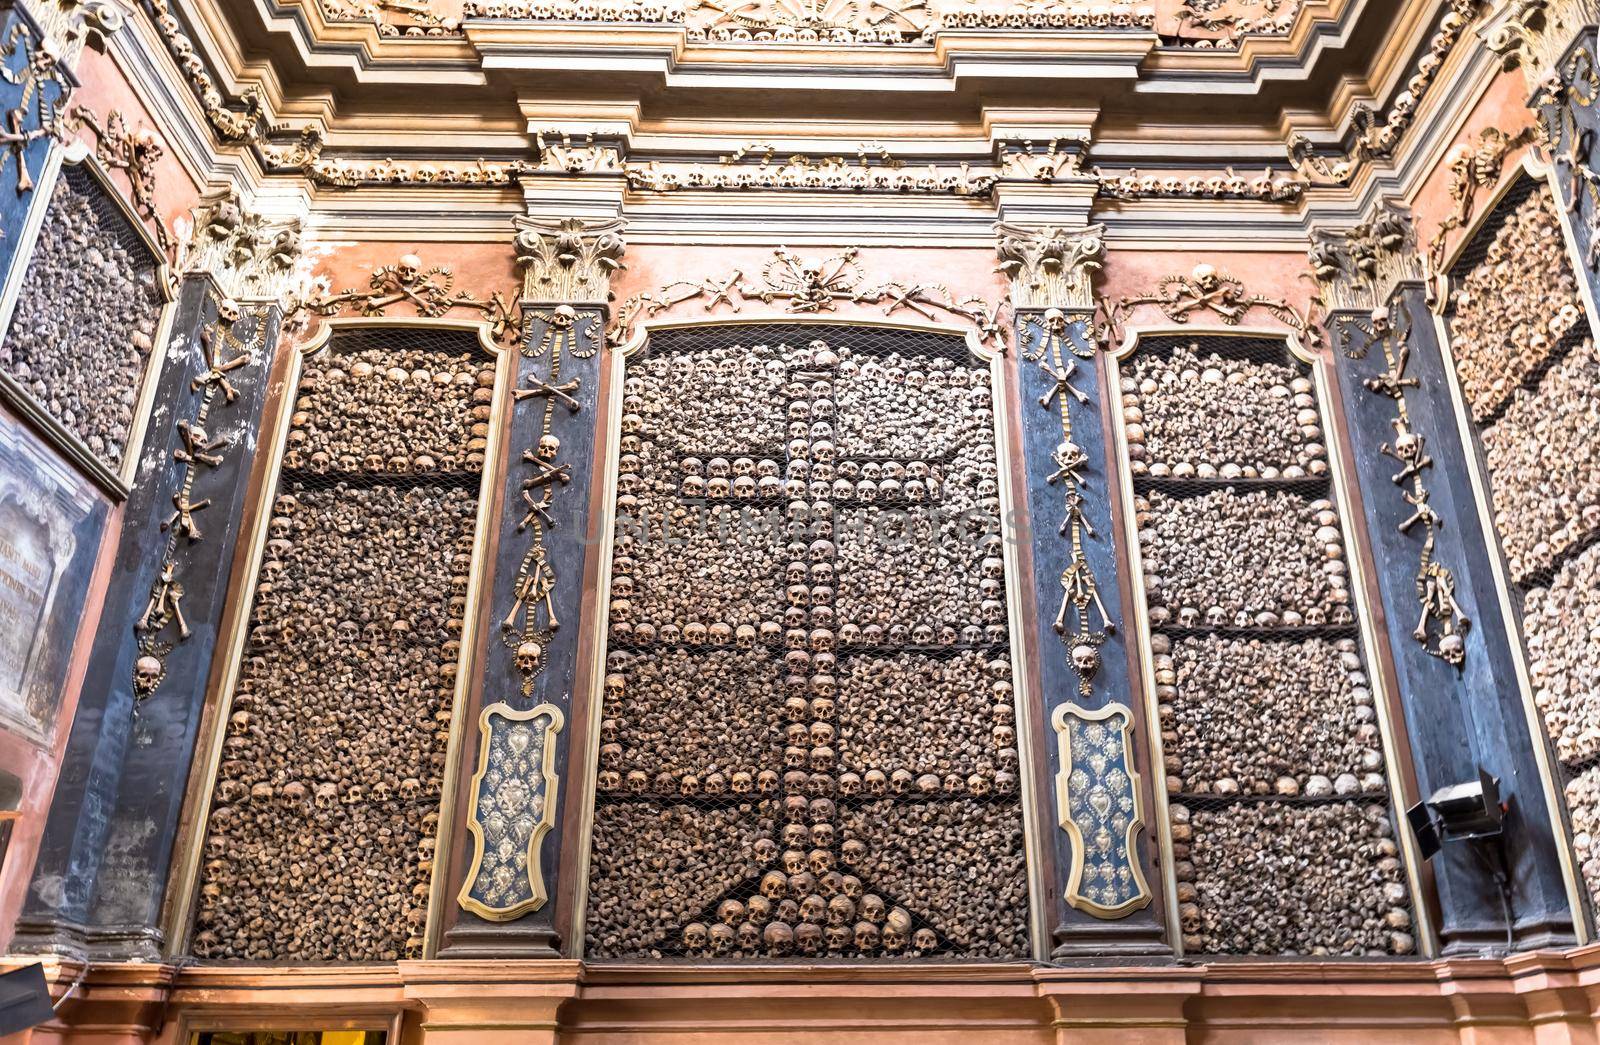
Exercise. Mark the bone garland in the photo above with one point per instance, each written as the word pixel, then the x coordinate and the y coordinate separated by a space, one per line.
pixel 1575 86
pixel 829 174
pixel 509 819
pixel 534 593
pixel 45 94
pixel 810 286
pixel 1375 140
pixel 1442 626
pixel 1472 168
pixel 430 291
pixel 136 154
pixel 1097 794
pixel 1079 591
pixel 199 448
pixel 1205 289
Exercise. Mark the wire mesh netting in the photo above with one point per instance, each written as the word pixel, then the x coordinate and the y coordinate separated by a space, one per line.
pixel 320 842
pixel 81 338
pixel 1282 826
pixel 808 746
pixel 1526 360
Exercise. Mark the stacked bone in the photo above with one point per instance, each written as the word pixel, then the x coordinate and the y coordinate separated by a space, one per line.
pixel 1277 878
pixel 1261 559
pixel 1209 417
pixel 320 841
pixel 1544 466
pixel 692 723
pixel 1564 660
pixel 1270 737
pixel 388 411
pixel 1583 806
pixel 1261 717
pixel 732 699
pixel 912 723
pixel 909 407
pixel 961 866
pixel 86 319
pixel 664 540
pixel 655 868
pixel 1514 306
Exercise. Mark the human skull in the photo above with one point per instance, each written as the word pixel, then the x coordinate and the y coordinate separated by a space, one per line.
pixel 529 656
pixel 408 269
pixel 228 311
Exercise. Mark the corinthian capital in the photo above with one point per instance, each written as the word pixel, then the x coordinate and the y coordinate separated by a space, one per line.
pixel 1049 267
pixel 249 256
pixel 570 260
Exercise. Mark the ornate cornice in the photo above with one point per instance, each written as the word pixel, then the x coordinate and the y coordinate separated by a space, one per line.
pixel 1050 267
pixel 247 255
pixel 570 260
pixel 1359 268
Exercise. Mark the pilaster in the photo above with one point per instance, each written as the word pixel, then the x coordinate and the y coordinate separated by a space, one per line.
pixel 1100 899
pixel 538 652
pixel 101 876
pixel 1450 642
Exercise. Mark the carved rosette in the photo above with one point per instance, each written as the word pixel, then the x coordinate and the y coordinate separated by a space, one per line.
pixel 1050 267
pixel 570 260
pixel 513 807
pixel 248 256
pixel 1097 798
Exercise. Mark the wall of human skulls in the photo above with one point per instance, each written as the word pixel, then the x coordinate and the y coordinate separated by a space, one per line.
pixel 808 702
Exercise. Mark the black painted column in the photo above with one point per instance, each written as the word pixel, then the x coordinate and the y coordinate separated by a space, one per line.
pixel 1101 827
pixel 536 620
pixel 1450 643
pixel 101 875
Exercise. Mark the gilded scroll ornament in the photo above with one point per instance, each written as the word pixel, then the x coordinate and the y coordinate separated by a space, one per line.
pixel 513 808
pixel 1049 266
pixel 810 285
pixel 429 291
pixel 1097 794
pixel 1205 289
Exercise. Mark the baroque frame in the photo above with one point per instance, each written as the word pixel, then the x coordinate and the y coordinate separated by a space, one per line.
pixel 119 481
pixel 1376 651
pixel 585 763
pixel 178 923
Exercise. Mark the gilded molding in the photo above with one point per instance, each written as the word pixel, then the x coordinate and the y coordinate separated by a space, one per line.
pixel 247 255
pixel 431 292
pixel 162 625
pixel 808 285
pixel 570 260
pixel 1097 798
pixel 1050 267
pixel 1359 268
pixel 513 808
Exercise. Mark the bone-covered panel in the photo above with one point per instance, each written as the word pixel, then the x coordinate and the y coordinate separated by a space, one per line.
pixel 808 741
pixel 320 839
pixel 84 329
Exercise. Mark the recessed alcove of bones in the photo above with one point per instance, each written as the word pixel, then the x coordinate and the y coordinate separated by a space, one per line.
pixel 808 743
pixel 321 830
pixel 1280 833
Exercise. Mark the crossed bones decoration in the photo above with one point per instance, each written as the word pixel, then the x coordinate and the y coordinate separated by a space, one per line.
pixel 1205 289
pixel 430 291
pixel 1442 624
